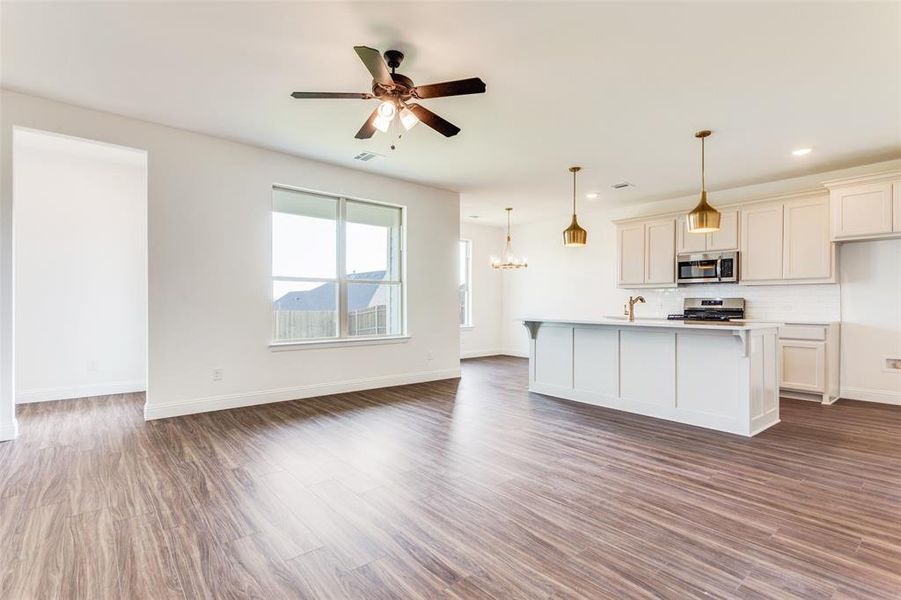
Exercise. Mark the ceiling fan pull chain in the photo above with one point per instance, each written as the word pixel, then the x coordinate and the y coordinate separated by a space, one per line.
pixel 394 145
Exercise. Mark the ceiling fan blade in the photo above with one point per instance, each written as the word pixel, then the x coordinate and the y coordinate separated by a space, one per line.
pixel 349 95
pixel 368 127
pixel 373 60
pixel 445 128
pixel 473 85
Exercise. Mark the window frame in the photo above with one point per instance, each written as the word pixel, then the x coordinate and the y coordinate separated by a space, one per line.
pixel 467 324
pixel 342 338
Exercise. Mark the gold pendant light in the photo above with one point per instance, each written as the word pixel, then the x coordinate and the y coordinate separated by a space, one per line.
pixel 509 260
pixel 704 218
pixel 574 235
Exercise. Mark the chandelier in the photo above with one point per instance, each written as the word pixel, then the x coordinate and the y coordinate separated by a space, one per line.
pixel 508 260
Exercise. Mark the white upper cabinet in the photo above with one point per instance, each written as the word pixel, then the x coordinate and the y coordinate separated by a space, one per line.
pixel 630 248
pixel 646 253
pixel 727 237
pixel 660 252
pixel 783 240
pixel 787 241
pixel 761 242
pixel 724 239
pixel 861 210
pixel 807 249
pixel 689 242
pixel 866 208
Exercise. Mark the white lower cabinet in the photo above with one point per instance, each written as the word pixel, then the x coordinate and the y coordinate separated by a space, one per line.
pixel 808 361
pixel 803 365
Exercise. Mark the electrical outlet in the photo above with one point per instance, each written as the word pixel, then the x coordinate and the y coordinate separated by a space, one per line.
pixel 429 355
pixel 92 366
pixel 217 374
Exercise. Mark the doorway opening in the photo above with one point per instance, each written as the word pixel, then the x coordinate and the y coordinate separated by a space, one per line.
pixel 80 268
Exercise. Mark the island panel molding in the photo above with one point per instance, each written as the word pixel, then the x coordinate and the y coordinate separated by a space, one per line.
pixel 722 377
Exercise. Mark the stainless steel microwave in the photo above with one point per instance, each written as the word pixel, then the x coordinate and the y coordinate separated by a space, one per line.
pixel 707 267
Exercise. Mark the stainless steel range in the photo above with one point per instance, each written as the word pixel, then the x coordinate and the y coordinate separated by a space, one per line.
pixel 710 309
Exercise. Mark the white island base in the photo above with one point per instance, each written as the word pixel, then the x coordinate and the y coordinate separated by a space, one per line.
pixel 722 377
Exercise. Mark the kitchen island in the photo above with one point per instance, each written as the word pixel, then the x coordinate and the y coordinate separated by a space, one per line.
pixel 718 376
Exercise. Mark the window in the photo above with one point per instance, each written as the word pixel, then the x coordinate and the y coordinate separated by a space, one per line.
pixel 464 283
pixel 336 268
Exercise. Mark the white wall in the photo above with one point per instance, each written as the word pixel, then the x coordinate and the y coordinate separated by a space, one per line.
pixel 871 320
pixel 81 268
pixel 484 337
pixel 209 205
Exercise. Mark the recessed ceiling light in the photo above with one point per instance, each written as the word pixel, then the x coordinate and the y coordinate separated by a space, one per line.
pixel 591 195
pixel 802 151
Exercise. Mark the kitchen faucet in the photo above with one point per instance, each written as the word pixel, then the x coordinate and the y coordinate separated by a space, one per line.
pixel 629 308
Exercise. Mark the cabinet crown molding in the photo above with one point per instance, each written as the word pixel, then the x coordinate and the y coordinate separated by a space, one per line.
pixel 871 178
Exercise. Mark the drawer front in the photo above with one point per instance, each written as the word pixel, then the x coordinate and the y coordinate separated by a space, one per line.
pixel 802 332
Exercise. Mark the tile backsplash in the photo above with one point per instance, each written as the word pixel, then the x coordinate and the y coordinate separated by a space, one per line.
pixel 776 302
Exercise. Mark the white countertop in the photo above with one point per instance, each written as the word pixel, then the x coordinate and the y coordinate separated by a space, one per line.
pixel 659 322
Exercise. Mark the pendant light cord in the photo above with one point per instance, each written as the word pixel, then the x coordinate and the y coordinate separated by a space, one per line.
pixel 508 224
pixel 574 192
pixel 703 185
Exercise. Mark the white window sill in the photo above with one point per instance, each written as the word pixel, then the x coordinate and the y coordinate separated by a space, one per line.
pixel 338 343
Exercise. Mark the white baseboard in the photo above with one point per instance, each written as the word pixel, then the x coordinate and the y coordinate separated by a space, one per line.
pixel 227 401
pixel 516 353
pixel 870 395
pixel 479 353
pixel 79 391
pixel 9 431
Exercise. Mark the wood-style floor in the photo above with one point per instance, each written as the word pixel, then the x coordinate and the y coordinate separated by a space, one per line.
pixel 455 489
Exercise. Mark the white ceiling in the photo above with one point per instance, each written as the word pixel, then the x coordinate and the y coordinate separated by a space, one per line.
pixel 616 88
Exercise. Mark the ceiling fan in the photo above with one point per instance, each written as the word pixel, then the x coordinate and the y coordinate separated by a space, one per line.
pixel 399 95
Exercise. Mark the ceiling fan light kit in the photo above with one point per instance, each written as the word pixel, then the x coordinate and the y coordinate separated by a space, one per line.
pixel 703 218
pixel 407 118
pixel 396 91
pixel 574 235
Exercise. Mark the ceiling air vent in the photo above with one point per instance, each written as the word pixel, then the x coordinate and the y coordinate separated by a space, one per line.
pixel 622 184
pixel 367 156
